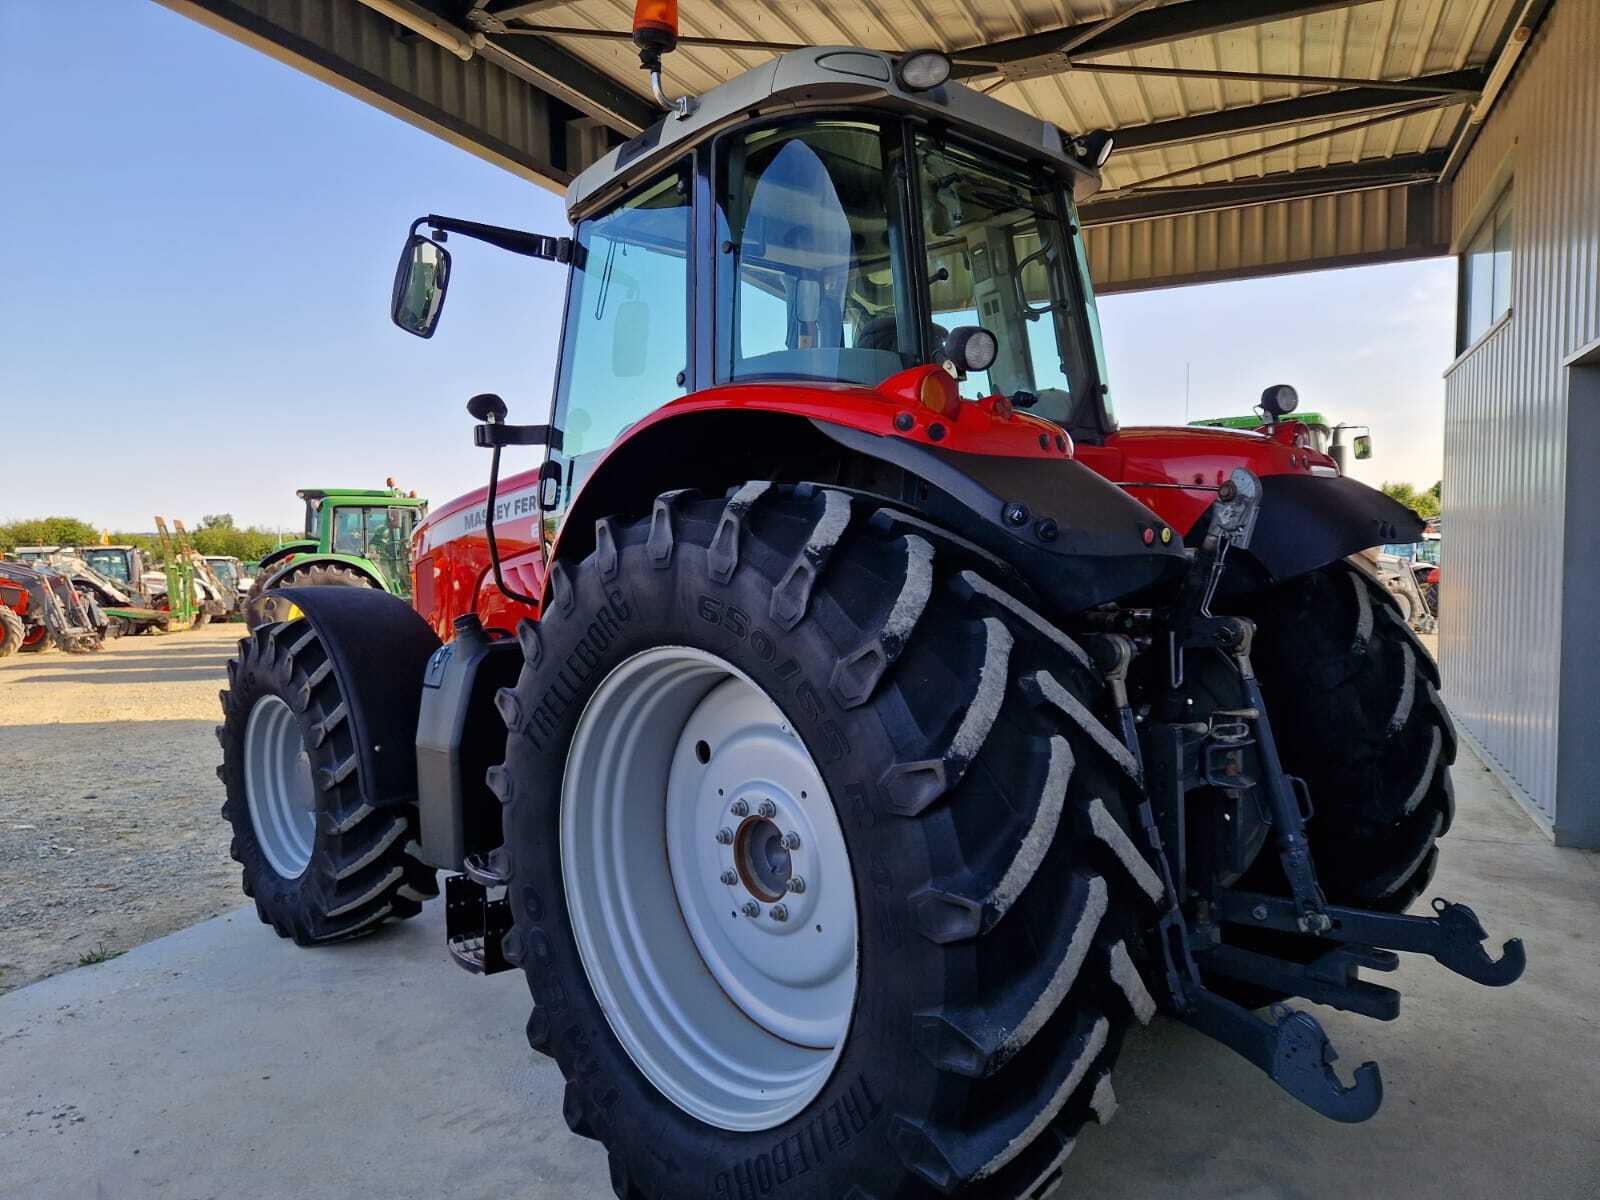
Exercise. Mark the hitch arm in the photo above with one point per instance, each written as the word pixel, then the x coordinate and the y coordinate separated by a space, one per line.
pixel 1453 938
pixel 1295 1053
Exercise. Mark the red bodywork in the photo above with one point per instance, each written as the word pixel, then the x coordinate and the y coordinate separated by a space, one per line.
pixel 15 597
pixel 450 554
pixel 1197 455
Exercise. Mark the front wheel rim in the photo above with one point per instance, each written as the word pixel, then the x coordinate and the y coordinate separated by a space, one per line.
pixel 684 780
pixel 278 787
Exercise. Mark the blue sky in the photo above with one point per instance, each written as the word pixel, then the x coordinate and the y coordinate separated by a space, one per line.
pixel 199 248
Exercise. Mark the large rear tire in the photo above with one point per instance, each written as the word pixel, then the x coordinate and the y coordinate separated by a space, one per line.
pixel 12 631
pixel 320 862
pixel 263 608
pixel 1353 697
pixel 852 677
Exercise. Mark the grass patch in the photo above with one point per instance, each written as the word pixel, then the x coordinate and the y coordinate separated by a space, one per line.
pixel 98 955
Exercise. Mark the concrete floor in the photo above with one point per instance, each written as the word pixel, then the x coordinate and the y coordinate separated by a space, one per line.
pixel 221 1062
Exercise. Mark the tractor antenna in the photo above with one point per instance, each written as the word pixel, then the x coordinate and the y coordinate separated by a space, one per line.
pixel 655 32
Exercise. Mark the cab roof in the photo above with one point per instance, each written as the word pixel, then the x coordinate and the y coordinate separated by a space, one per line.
pixel 822 77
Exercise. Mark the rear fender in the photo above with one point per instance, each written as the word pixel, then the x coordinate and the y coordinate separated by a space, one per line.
pixel 1080 541
pixel 1308 521
pixel 359 565
pixel 272 562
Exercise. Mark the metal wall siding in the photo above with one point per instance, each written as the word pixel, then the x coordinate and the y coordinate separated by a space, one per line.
pixel 1506 405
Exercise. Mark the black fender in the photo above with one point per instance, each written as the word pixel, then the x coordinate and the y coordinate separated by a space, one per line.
pixel 1079 540
pixel 1309 521
pixel 379 649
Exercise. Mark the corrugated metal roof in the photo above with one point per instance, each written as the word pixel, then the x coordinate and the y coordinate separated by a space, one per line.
pixel 1378 40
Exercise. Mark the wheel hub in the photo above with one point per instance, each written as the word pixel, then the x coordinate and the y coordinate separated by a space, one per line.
pixel 684 779
pixel 278 787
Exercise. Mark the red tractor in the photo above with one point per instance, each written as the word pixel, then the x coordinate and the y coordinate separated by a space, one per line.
pixel 847 728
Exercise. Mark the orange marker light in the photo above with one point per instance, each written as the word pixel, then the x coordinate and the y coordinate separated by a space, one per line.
pixel 655 23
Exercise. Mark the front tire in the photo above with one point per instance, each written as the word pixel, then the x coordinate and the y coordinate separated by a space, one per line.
pixel 319 861
pixel 969 814
pixel 12 631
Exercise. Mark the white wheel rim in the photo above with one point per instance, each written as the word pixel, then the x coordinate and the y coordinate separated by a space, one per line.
pixel 738 1019
pixel 278 787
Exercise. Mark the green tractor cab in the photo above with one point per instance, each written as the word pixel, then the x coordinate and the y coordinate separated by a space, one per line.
pixel 354 537
pixel 1321 435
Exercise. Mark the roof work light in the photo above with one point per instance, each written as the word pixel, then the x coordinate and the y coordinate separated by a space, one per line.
pixel 655 27
pixel 923 69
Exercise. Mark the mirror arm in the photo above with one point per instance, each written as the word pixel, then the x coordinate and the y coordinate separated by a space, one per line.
pixel 496 435
pixel 533 245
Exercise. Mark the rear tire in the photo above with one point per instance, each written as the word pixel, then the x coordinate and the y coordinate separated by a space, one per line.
pixel 320 863
pixel 264 608
pixel 1354 702
pixel 987 847
pixel 12 631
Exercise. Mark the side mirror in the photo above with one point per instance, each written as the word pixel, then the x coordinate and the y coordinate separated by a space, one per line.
pixel 419 286
pixel 1363 443
pixel 630 339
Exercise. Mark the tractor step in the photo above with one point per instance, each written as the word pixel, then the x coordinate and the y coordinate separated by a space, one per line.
pixel 474 926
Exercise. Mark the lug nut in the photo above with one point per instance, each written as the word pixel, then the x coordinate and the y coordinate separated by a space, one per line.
pixel 739 808
pixel 768 809
pixel 751 909
pixel 797 885
pixel 778 912
pixel 724 836
pixel 729 878
pixel 791 841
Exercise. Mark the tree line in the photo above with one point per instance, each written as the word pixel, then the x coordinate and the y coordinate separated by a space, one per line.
pixel 1425 504
pixel 217 533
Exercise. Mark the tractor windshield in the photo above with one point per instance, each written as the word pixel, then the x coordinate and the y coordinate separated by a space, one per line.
pixel 113 564
pixel 832 251
pixel 999 251
pixel 813 276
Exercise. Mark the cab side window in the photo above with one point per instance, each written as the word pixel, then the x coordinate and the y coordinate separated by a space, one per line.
pixel 626 349
pixel 347 533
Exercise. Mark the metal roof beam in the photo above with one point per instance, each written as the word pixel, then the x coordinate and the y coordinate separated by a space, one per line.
pixel 1045 53
pixel 1298 110
pixel 1285 185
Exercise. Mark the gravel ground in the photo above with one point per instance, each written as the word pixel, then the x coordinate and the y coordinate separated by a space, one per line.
pixel 109 825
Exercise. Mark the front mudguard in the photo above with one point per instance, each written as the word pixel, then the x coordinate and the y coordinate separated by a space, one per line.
pixel 1309 521
pixel 378 648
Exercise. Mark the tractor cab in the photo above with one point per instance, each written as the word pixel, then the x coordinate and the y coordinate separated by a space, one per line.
pixel 364 525
pixel 833 221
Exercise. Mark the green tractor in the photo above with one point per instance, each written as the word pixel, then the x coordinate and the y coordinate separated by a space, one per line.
pixel 1311 430
pixel 354 537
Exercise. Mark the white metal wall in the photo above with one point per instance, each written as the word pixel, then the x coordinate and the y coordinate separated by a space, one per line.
pixel 1505 626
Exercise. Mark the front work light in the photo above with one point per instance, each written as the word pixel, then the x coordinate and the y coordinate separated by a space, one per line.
pixel 1279 400
pixel 923 69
